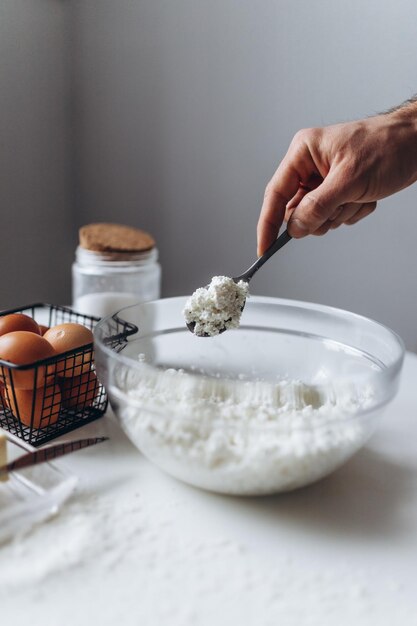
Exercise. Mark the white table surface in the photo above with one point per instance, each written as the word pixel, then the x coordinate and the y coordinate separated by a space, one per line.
pixel 135 547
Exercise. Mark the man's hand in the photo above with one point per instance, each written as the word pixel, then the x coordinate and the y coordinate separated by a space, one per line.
pixel 334 175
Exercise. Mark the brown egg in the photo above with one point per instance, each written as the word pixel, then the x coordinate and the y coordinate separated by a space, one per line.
pixel 71 336
pixel 43 329
pixel 81 391
pixel 22 348
pixel 3 397
pixel 38 408
pixel 18 321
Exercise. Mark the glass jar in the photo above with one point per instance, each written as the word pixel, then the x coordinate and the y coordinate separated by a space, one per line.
pixel 104 282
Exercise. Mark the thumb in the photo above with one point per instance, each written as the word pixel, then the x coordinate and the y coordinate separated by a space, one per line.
pixel 316 207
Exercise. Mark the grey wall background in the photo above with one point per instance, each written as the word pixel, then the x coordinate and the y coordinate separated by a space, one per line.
pixel 178 113
pixel 35 152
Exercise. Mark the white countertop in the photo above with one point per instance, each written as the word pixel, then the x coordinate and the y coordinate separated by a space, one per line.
pixel 135 547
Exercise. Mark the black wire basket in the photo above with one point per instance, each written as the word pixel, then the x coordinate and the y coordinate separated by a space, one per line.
pixel 65 393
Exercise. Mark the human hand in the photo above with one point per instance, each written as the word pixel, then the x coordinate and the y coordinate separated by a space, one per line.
pixel 334 175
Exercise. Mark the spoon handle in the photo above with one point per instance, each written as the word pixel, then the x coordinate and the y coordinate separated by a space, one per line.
pixel 277 245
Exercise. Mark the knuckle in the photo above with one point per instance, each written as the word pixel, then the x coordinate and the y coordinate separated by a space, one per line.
pixel 271 190
pixel 267 191
pixel 301 137
pixel 314 133
pixel 315 209
pixel 307 136
pixel 347 175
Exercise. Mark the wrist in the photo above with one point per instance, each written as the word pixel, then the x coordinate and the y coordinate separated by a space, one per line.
pixel 407 113
pixel 402 132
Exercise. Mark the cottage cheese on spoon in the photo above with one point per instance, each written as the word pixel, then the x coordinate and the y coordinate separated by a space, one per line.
pixel 217 307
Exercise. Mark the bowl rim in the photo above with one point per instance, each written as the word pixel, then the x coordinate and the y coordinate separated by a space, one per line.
pixel 392 369
pixel 324 308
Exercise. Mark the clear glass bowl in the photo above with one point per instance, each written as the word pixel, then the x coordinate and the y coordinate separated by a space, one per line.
pixel 272 406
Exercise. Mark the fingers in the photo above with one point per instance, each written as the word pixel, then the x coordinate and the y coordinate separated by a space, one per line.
pixel 279 191
pixel 295 200
pixel 344 213
pixel 349 214
pixel 319 184
pixel 316 207
pixel 297 167
pixel 313 182
pixel 365 210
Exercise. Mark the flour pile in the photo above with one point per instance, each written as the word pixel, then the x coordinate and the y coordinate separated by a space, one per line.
pixel 242 437
pixel 217 306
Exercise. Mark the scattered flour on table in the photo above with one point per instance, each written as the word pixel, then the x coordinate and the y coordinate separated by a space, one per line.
pixel 217 306
pixel 240 437
pixel 122 556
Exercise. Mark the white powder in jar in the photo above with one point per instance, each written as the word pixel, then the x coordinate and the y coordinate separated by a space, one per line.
pixel 246 438
pixel 217 306
pixel 105 303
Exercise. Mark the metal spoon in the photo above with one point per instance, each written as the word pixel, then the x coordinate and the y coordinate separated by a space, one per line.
pixel 251 271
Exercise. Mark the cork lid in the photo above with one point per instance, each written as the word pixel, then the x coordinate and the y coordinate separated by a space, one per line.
pixel 104 237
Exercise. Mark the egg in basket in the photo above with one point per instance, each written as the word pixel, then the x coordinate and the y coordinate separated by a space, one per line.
pixel 48 383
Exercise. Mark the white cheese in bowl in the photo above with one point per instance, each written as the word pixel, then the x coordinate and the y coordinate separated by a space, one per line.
pixel 246 438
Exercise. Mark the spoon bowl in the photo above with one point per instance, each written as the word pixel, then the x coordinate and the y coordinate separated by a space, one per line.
pixel 246 277
pixel 191 325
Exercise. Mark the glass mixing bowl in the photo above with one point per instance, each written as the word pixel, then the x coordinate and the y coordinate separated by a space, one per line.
pixel 271 406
